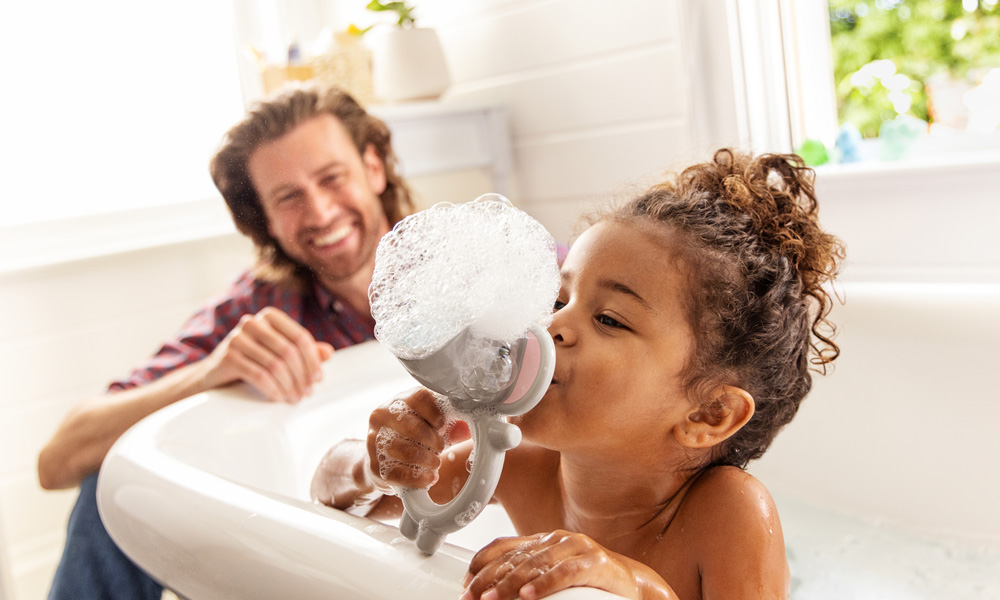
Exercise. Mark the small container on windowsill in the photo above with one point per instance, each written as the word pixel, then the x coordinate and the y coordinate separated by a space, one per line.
pixel 346 64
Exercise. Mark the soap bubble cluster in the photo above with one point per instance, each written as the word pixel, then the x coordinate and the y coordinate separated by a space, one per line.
pixel 483 265
pixel 383 440
pixel 469 514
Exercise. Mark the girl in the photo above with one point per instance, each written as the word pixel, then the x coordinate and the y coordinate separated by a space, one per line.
pixel 684 329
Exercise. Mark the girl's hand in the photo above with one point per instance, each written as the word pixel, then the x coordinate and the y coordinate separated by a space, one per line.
pixel 539 565
pixel 405 442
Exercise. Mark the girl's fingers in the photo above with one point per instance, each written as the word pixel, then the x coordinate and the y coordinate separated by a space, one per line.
pixel 424 403
pixel 534 568
pixel 391 445
pixel 496 549
pixel 404 442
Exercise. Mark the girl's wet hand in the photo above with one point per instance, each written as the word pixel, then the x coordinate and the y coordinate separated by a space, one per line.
pixel 404 442
pixel 536 566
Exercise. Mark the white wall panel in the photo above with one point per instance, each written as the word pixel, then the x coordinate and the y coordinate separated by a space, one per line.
pixel 607 164
pixel 30 514
pixel 540 34
pixel 25 428
pixel 631 86
pixel 66 331
pixel 599 162
pixel 63 295
pixel 87 356
pixel 563 217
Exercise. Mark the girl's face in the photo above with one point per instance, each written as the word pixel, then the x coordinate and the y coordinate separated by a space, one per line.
pixel 622 340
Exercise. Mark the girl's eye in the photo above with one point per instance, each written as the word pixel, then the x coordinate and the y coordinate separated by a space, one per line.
pixel 559 304
pixel 609 322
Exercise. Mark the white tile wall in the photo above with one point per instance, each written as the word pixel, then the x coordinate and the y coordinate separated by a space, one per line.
pixel 597 93
pixel 65 332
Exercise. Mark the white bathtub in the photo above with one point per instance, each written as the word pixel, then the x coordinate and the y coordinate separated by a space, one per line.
pixel 211 497
pixel 885 481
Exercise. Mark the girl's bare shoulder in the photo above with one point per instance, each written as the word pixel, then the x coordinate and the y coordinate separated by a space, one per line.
pixel 733 526
pixel 729 495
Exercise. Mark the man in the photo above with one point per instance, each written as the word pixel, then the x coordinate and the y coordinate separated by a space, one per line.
pixel 311 178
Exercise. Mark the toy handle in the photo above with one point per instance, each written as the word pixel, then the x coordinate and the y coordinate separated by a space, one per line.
pixel 427 522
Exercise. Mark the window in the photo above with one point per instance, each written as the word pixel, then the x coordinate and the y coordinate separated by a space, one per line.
pixel 869 80
pixel 110 108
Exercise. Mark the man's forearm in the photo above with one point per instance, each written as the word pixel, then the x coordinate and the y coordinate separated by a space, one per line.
pixel 87 433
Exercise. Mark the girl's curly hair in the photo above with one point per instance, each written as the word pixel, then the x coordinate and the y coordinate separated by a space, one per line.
pixel 758 261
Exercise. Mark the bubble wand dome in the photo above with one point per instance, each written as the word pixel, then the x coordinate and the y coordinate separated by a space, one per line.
pixel 462 295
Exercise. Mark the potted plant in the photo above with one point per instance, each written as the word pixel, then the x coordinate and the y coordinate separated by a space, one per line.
pixel 407 61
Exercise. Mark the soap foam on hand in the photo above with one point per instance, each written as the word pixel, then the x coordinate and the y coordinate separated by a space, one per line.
pixel 483 265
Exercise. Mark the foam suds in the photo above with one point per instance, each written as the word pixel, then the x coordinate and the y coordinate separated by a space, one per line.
pixel 383 440
pixel 464 518
pixel 399 408
pixel 483 265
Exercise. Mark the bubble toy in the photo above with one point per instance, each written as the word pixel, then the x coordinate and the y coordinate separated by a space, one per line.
pixel 462 295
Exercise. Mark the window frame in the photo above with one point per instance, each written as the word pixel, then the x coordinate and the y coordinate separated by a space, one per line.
pixel 782 100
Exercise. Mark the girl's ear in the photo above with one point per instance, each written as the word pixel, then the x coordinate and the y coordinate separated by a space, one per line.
pixel 726 411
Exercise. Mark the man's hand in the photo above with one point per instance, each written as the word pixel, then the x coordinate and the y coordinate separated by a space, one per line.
pixel 271 352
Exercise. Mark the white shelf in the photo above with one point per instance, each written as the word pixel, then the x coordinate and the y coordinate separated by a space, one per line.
pixel 432 138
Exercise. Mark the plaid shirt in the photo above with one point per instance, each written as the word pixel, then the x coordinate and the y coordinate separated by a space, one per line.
pixel 326 317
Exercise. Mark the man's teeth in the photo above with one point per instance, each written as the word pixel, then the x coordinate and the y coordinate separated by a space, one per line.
pixel 333 237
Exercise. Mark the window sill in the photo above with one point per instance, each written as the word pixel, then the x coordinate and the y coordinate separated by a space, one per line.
pixel 953 164
pixel 36 245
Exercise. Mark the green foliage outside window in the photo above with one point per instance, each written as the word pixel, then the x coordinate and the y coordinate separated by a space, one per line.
pixel 932 44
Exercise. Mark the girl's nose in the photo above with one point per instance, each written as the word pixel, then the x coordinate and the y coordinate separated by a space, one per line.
pixel 561 329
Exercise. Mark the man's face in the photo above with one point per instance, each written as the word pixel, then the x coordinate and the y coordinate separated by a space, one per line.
pixel 321 199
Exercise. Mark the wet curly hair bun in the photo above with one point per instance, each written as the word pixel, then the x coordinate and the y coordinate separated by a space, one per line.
pixel 758 263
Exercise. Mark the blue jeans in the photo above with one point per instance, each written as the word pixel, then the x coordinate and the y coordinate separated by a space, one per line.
pixel 92 566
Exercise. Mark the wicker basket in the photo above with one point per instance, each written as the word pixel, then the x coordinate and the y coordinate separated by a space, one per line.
pixel 349 67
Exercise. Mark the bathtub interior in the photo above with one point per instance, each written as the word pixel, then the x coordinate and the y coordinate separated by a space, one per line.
pixel 885 480
pixel 275 448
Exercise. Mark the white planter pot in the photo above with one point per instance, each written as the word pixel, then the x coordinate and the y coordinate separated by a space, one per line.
pixel 408 64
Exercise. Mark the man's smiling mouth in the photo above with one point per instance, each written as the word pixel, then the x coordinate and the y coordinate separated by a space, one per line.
pixel 333 237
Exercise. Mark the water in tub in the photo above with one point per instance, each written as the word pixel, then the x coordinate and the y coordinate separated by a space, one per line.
pixel 835 556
